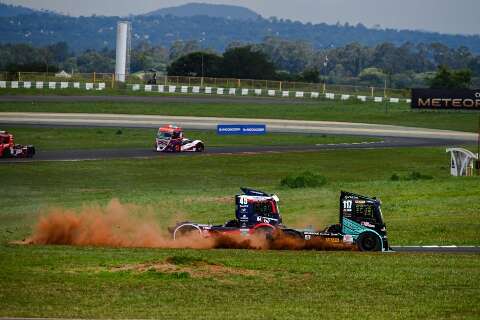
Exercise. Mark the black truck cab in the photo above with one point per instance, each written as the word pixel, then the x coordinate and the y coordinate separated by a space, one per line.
pixel 254 207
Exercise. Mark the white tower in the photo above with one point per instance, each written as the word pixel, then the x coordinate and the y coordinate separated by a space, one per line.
pixel 124 39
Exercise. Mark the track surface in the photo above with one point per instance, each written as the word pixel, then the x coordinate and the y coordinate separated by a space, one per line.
pixel 393 136
pixel 210 123
pixel 103 154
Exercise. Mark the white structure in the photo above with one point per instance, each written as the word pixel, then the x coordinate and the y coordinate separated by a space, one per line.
pixel 63 74
pixel 461 162
pixel 124 40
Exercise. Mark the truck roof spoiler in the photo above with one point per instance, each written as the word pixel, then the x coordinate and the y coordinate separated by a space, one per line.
pixel 346 193
pixel 252 192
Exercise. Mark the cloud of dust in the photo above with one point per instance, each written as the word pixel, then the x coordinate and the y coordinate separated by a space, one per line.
pixel 120 225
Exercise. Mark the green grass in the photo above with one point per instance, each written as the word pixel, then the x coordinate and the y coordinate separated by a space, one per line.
pixel 348 111
pixel 441 210
pixel 116 138
pixel 79 283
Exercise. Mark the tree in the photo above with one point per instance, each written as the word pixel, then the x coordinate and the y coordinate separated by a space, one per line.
pixel 180 48
pixel 372 76
pixel 245 63
pixel 93 61
pixel 197 64
pixel 59 52
pixel 292 56
pixel 451 79
pixel 310 75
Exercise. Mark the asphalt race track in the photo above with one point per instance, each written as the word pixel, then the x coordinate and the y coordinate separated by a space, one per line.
pixel 210 123
pixel 103 154
pixel 393 136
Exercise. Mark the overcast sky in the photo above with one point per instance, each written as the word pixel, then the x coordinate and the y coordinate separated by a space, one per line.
pixel 447 16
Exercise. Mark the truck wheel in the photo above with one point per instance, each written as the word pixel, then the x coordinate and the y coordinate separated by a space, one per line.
pixel 184 231
pixel 30 151
pixel 6 153
pixel 369 242
pixel 264 232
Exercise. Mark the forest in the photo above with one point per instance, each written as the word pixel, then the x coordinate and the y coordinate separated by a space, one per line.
pixel 403 66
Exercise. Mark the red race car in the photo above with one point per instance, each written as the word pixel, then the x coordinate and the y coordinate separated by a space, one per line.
pixel 170 139
pixel 8 148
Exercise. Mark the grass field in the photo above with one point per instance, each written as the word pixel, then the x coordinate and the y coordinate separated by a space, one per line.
pixel 348 111
pixel 96 282
pixel 103 138
pixel 442 210
pixel 235 284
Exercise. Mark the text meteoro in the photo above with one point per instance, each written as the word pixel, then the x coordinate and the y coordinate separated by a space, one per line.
pixel 448 103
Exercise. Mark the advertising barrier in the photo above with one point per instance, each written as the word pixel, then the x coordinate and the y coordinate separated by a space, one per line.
pixel 241 129
pixel 445 99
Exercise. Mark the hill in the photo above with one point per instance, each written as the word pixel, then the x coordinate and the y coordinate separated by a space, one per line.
pixel 210 10
pixel 7 10
pixel 97 32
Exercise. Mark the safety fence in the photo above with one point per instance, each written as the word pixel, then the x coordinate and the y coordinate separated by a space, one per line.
pixel 146 78
pixel 280 86
pixel 219 91
pixel 51 85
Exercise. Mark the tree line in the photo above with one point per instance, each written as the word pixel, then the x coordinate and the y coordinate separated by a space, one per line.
pixel 402 66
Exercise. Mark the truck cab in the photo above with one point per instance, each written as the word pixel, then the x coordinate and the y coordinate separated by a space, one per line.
pixel 169 138
pixel 8 148
pixel 254 207
pixel 361 222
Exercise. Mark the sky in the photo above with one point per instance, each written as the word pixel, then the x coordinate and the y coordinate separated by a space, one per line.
pixel 445 16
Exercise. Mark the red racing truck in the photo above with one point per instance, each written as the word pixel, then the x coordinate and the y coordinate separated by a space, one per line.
pixel 170 139
pixel 8 148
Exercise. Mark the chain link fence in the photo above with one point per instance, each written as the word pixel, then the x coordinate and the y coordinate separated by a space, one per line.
pixel 109 80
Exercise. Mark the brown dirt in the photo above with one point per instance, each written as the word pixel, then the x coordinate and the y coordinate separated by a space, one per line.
pixel 196 270
pixel 120 225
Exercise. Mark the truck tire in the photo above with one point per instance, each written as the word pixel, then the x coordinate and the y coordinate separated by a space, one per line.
pixel 185 231
pixel 30 151
pixel 369 241
pixel 6 153
pixel 264 232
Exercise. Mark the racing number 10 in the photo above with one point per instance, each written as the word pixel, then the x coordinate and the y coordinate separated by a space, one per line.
pixel 347 205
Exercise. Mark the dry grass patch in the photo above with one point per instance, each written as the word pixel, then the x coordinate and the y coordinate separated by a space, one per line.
pixel 194 268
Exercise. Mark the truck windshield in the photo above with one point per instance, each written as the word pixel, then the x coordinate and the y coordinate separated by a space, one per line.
pixel 164 135
pixel 265 209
